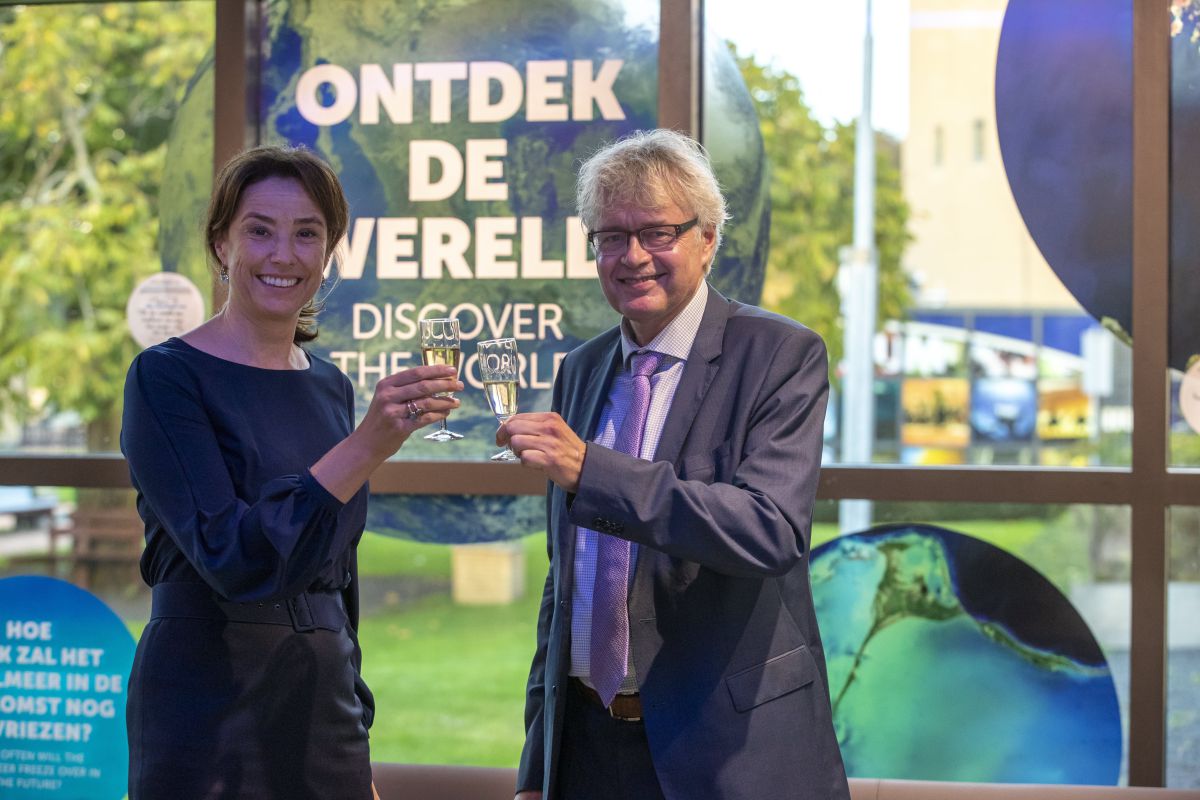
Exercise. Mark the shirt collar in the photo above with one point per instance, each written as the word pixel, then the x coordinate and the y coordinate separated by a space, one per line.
pixel 677 338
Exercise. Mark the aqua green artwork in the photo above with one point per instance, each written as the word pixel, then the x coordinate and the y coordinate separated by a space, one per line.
pixel 951 659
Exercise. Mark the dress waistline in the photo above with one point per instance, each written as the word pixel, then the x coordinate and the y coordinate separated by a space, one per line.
pixel 305 612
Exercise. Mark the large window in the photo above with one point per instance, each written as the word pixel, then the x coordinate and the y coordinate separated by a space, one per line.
pixel 993 397
pixel 999 275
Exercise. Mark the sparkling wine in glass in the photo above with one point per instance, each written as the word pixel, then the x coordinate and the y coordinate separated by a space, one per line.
pixel 500 370
pixel 440 345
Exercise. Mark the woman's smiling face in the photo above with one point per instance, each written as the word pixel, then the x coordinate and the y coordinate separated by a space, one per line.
pixel 274 250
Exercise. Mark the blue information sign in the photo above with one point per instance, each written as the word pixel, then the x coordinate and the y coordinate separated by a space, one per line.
pixel 64 660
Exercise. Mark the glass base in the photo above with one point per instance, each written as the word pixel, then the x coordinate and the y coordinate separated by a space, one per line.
pixel 506 456
pixel 441 435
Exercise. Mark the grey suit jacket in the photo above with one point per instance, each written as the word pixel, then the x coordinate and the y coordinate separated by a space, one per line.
pixel 722 630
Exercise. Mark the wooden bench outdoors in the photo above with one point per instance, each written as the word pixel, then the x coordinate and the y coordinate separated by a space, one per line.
pixel 100 538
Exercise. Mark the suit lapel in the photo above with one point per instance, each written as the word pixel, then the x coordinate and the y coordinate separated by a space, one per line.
pixel 581 410
pixel 698 374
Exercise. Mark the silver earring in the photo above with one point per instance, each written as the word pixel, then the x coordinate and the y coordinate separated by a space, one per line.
pixel 224 274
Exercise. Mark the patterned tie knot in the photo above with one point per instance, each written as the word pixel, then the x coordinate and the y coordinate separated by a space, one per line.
pixel 646 364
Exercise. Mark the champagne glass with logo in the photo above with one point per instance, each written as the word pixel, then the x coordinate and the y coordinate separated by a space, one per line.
pixel 440 345
pixel 500 370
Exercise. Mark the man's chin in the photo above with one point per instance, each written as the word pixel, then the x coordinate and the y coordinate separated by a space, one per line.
pixel 641 313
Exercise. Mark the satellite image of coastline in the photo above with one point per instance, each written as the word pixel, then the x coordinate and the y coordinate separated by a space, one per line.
pixel 951 659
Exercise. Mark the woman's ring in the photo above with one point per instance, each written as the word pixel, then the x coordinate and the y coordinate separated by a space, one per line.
pixel 414 410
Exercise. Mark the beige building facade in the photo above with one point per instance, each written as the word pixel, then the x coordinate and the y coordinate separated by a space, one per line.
pixel 971 248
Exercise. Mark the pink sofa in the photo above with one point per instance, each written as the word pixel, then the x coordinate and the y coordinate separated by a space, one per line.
pixel 399 781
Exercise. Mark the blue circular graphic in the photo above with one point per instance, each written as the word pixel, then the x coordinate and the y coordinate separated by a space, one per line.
pixel 64 660
pixel 951 659
pixel 1064 116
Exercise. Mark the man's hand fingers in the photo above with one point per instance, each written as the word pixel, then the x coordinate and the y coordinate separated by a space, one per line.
pixel 534 459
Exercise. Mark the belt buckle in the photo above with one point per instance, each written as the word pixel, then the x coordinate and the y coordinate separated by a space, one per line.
pixel 301 613
pixel 619 717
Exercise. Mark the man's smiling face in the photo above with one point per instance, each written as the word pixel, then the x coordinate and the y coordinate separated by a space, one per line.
pixel 650 289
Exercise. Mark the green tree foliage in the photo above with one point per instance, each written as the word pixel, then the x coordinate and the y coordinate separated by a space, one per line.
pixel 89 92
pixel 812 207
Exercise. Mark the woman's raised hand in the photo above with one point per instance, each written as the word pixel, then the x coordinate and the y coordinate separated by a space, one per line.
pixel 407 401
pixel 403 403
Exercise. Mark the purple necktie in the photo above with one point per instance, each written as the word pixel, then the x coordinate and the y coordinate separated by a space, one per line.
pixel 609 653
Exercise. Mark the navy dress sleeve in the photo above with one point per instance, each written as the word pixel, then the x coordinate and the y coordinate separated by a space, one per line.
pixel 251 539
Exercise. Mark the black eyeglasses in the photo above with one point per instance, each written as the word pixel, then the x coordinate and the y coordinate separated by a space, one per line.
pixel 653 239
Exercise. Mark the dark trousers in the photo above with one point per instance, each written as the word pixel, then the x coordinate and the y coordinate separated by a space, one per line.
pixel 603 758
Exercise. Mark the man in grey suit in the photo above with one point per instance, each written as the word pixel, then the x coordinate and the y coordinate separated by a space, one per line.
pixel 678 654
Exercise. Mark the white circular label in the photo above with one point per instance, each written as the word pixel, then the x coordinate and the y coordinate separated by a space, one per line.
pixel 1189 396
pixel 164 305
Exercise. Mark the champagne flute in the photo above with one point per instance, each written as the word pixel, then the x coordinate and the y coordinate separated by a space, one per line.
pixel 440 345
pixel 500 370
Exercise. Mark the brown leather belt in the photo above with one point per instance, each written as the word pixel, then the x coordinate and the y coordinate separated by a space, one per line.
pixel 625 707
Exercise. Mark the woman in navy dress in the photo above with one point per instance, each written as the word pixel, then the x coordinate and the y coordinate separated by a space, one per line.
pixel 251 479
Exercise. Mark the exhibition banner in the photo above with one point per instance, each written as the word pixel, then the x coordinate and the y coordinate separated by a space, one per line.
pixel 457 130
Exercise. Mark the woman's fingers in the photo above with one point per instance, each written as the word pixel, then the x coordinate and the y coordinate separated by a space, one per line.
pixel 430 405
pixel 413 391
pixel 417 374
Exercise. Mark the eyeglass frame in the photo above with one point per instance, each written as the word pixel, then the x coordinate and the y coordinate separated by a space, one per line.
pixel 680 230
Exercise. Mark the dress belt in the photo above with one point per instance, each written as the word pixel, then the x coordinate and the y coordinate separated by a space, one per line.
pixel 625 707
pixel 304 612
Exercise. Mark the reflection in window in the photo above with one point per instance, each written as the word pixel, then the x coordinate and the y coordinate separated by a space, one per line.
pixel 90 92
pixel 965 294
pixel 1183 649
pixel 966 387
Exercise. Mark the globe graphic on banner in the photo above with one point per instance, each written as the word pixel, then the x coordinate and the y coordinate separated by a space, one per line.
pixel 951 659
pixel 368 325
pixel 1064 117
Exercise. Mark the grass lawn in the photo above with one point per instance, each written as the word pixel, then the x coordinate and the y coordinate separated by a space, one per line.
pixel 449 680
